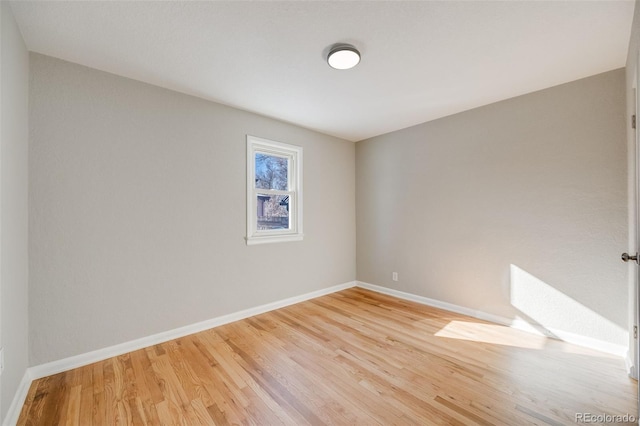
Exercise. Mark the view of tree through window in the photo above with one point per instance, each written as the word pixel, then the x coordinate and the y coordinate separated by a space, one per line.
pixel 272 172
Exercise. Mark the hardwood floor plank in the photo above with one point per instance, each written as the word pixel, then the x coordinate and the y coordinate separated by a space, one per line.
pixel 73 408
pixel 86 396
pixel 279 393
pixel 28 403
pixel 98 414
pixel 538 416
pixel 148 391
pixel 196 370
pixel 354 357
pixel 465 413
pixel 54 393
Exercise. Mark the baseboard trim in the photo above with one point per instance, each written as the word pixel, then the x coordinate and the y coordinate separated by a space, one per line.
pixel 76 361
pixel 631 369
pixel 565 336
pixel 435 303
pixel 13 414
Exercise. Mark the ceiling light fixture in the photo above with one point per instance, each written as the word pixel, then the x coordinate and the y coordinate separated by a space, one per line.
pixel 343 57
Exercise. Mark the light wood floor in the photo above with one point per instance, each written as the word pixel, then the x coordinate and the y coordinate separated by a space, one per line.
pixel 353 357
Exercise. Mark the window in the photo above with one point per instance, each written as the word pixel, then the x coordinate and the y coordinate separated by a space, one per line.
pixel 274 191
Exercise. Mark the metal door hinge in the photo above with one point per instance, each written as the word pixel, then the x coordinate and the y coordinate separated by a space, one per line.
pixel 633 121
pixel 635 331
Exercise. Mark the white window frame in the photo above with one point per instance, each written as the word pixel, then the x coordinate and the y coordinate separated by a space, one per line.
pixel 294 155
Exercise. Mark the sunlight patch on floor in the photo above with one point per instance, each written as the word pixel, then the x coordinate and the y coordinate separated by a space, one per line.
pixel 492 334
pixel 495 334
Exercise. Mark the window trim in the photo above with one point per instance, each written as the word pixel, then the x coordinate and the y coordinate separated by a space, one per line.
pixel 294 153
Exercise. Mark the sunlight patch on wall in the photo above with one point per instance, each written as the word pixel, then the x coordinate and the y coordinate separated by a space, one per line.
pixel 548 309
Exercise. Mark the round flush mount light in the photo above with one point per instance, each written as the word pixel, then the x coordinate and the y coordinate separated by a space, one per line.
pixel 343 57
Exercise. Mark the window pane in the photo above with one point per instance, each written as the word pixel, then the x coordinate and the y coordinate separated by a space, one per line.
pixel 272 172
pixel 273 212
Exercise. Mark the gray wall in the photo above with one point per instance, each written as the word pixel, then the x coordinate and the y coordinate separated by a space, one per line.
pixel 14 133
pixel 137 211
pixel 538 182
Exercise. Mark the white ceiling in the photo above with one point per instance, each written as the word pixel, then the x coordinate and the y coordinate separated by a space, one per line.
pixel 420 60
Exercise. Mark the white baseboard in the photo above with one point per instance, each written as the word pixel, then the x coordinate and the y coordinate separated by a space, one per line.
pixel 18 400
pixel 435 303
pixel 76 361
pixel 631 369
pixel 565 336
pixel 587 342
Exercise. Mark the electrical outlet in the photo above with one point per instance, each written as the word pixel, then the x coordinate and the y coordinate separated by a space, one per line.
pixel 1 360
pixel 394 276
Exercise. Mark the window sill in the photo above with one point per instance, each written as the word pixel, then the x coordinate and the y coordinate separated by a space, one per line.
pixel 265 239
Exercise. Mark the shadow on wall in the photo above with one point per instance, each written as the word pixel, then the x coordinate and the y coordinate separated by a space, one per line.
pixel 544 309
